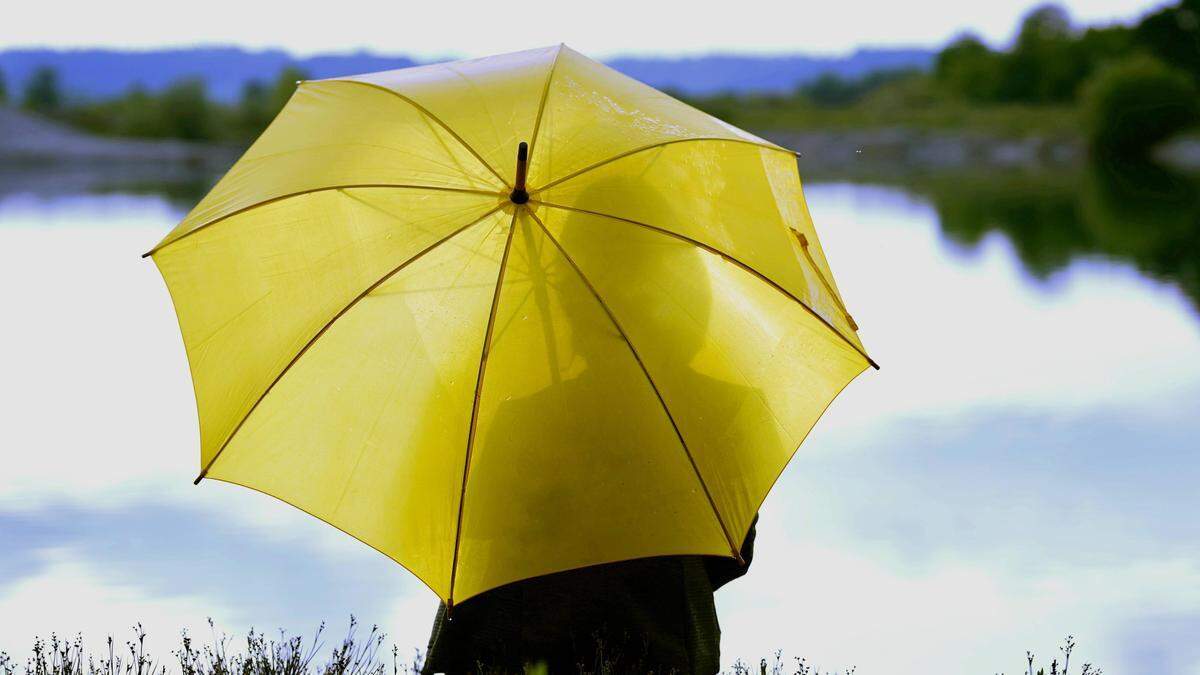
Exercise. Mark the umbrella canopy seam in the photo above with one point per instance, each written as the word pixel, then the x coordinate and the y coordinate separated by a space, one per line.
pixel 837 300
pixel 537 122
pixel 718 252
pixel 483 359
pixel 301 193
pixel 734 548
pixel 425 111
pixel 328 324
pixel 660 144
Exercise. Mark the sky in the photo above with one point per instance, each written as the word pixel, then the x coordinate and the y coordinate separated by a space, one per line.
pixel 475 28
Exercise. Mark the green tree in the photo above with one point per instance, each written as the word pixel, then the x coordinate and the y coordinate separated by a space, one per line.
pixel 1103 45
pixel 138 114
pixel 1046 64
pixel 3 89
pixel 1131 106
pixel 830 90
pixel 260 103
pixel 255 109
pixel 186 112
pixel 42 93
pixel 1173 35
pixel 969 69
pixel 285 86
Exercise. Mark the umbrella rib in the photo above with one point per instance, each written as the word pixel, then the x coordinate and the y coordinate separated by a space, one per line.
pixel 425 111
pixel 734 548
pixel 300 193
pixel 328 324
pixel 652 146
pixel 837 300
pixel 725 256
pixel 537 122
pixel 483 359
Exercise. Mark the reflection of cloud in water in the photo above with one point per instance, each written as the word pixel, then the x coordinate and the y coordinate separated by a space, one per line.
pixel 1159 643
pixel 988 535
pixel 1028 487
pixel 955 335
pixel 1134 212
pixel 168 551
pixel 69 597
pixel 183 184
pixel 1023 465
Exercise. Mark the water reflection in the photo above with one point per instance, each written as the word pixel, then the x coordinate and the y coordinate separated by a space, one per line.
pixel 1023 466
pixel 181 184
pixel 1142 213
pixel 170 550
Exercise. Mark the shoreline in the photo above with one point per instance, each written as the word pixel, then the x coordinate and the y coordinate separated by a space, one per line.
pixel 30 139
pixel 35 144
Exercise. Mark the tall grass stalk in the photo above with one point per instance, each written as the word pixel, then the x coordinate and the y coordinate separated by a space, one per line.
pixel 354 655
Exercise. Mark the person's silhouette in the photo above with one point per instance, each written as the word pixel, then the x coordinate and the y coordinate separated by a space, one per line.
pixel 650 614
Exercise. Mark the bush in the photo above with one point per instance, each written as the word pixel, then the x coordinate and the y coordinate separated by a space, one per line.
pixel 187 111
pixel 831 91
pixel 1131 106
pixel 42 94
pixel 1173 35
pixel 968 68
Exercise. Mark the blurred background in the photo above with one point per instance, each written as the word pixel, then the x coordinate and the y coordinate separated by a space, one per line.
pixel 1009 196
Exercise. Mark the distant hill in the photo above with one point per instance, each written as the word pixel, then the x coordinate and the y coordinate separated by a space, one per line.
pixel 97 73
pixel 731 73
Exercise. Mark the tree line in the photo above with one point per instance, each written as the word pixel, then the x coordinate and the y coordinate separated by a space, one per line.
pixel 1135 85
pixel 1132 86
pixel 183 110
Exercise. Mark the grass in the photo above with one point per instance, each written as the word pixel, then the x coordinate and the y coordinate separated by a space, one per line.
pixel 353 655
pixel 910 103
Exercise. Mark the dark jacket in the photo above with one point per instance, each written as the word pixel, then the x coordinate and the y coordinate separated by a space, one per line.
pixel 648 615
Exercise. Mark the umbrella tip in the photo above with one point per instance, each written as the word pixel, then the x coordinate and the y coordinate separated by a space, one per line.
pixel 519 194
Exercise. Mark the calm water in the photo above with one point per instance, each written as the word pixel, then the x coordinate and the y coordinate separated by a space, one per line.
pixel 1024 466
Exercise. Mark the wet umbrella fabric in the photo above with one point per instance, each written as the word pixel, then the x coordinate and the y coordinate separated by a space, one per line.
pixel 485 385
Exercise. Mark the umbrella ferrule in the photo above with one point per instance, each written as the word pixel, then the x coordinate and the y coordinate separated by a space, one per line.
pixel 519 195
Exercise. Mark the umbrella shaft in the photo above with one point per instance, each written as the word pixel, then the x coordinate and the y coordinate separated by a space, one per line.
pixel 519 195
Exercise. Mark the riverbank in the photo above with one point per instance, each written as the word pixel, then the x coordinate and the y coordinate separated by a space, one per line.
pixel 26 139
pixel 899 150
pixel 856 153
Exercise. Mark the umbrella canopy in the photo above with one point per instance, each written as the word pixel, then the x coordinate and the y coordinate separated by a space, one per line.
pixel 492 364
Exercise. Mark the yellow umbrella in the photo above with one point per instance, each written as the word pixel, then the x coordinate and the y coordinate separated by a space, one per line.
pixel 488 375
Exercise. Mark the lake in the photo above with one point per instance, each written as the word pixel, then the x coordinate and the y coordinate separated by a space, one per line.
pixel 1024 465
